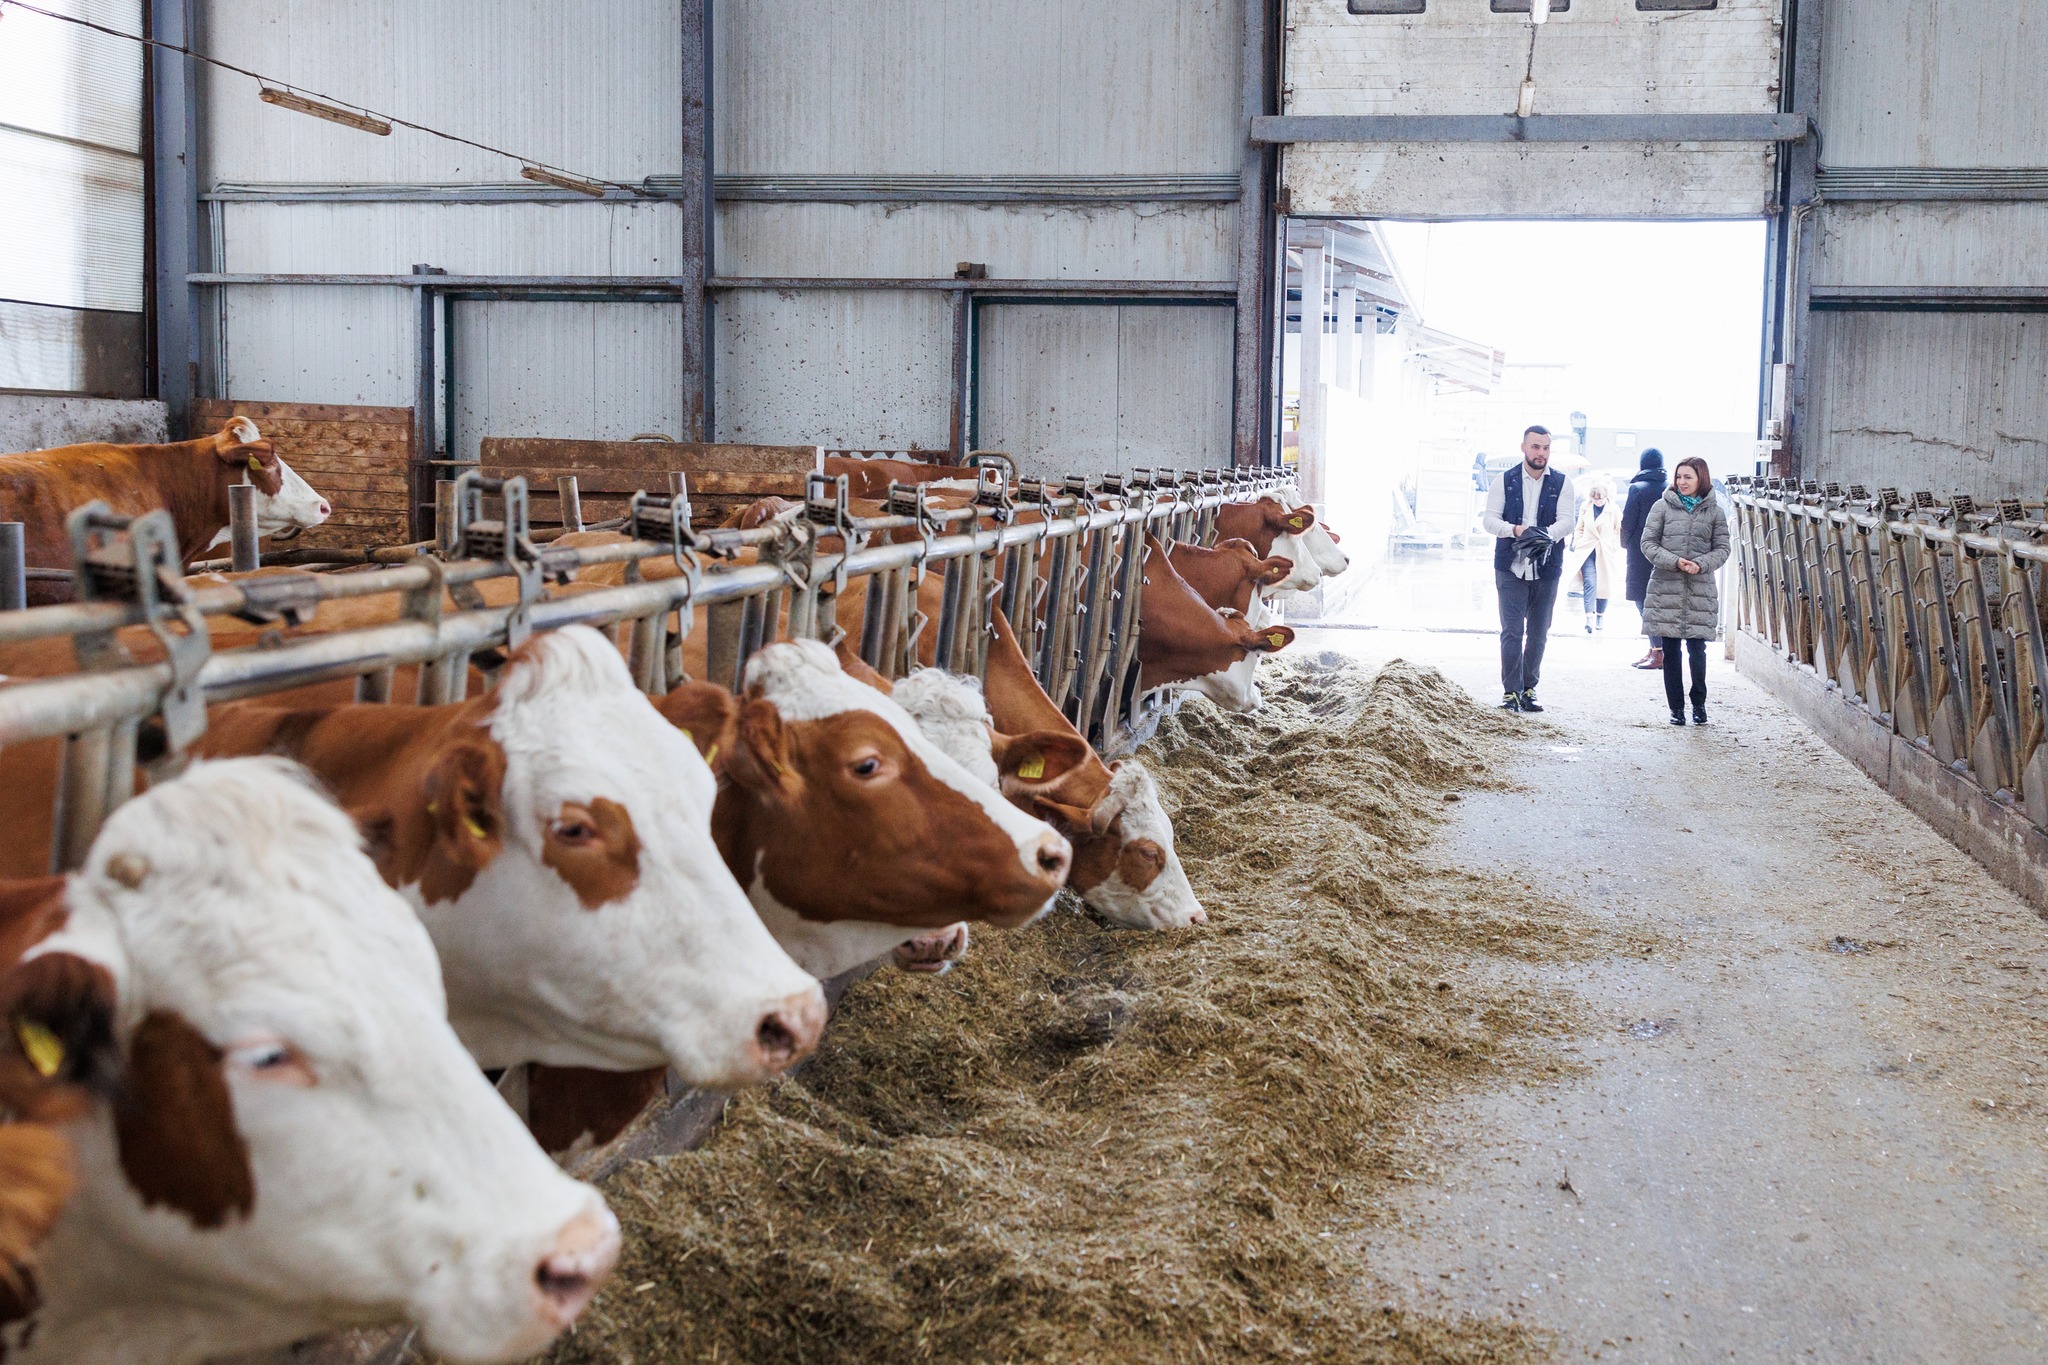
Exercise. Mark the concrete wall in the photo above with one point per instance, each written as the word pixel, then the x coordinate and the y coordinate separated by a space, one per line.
pixel 33 422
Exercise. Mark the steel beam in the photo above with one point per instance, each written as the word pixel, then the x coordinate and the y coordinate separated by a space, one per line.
pixel 176 235
pixel 1252 340
pixel 699 221
pixel 1921 298
pixel 761 189
pixel 671 285
pixel 1292 128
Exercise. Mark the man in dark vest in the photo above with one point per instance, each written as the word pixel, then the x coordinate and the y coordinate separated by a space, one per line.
pixel 1530 509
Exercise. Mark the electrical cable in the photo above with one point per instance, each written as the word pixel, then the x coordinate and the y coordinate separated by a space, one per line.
pixel 264 80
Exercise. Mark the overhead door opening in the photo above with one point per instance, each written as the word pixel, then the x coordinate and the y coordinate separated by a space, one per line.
pixel 1440 343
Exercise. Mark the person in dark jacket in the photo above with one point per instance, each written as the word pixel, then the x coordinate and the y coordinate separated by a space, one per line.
pixel 1686 539
pixel 1643 491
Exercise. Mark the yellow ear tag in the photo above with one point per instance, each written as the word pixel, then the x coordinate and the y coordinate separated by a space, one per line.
pixel 44 1049
pixel 1276 640
pixel 711 754
pixel 1032 768
pixel 255 463
pixel 687 734
pixel 1296 523
pixel 476 831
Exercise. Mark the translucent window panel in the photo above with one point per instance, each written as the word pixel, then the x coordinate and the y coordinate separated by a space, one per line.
pixel 70 224
pixel 72 82
pixel 1388 6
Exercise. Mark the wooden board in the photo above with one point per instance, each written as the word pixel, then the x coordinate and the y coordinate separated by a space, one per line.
pixel 358 458
pixel 722 478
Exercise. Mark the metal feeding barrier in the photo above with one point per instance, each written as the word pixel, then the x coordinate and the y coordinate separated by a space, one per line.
pixel 1927 611
pixel 1064 561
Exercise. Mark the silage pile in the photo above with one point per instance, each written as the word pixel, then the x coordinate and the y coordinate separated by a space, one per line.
pixel 1087 1144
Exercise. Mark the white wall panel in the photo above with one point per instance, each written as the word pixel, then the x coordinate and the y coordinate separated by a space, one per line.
pixel 977 87
pixel 594 87
pixel 1951 402
pixel 863 369
pixel 1934 83
pixel 1084 389
pixel 325 345
pixel 1972 244
pixel 1132 242
pixel 1601 57
pixel 584 371
pixel 464 239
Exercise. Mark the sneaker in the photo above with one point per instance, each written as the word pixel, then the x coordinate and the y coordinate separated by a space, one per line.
pixel 1529 702
pixel 1589 625
pixel 1699 715
pixel 1600 621
pixel 1510 701
pixel 1678 717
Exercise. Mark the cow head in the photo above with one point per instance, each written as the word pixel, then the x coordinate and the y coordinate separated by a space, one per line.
pixel 1182 638
pixel 242 449
pixel 300 1142
pixel 1125 867
pixel 560 848
pixel 1302 537
pixel 850 827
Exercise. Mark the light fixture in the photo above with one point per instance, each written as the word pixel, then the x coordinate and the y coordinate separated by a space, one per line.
pixel 1525 103
pixel 1539 11
pixel 333 113
pixel 562 180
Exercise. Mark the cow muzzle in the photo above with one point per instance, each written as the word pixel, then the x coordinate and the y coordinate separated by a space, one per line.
pixel 787 1033
pixel 569 1276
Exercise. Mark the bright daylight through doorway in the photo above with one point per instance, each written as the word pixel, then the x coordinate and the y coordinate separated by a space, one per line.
pixel 1618 337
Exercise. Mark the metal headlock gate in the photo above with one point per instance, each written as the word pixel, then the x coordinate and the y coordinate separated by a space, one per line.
pixel 1926 611
pixel 1077 620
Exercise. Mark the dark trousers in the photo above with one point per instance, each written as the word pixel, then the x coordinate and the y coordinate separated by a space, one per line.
pixel 1675 652
pixel 1525 609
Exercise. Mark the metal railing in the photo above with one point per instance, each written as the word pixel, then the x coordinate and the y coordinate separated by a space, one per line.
pixel 1065 563
pixel 1926 611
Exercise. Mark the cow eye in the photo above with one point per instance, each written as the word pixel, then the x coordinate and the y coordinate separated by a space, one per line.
pixel 869 766
pixel 575 827
pixel 271 1059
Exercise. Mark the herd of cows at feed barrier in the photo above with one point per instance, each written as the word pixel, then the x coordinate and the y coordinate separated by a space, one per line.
pixel 295 859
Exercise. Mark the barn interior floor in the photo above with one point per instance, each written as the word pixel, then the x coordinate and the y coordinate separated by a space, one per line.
pixel 1807 1116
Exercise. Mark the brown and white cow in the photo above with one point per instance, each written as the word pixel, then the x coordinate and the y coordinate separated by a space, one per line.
pixel 190 479
pixel 301 1143
pixel 1182 639
pixel 1272 527
pixel 1230 577
pixel 554 835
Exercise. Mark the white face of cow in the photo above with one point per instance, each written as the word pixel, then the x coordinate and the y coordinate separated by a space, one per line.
pixel 805 682
pixel 1236 688
pixel 657 960
pixel 306 1145
pixel 1139 893
pixel 295 508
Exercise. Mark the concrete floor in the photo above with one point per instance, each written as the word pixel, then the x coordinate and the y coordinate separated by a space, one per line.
pixel 1804 1121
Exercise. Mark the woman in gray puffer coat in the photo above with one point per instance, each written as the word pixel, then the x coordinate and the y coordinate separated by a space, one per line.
pixel 1685 538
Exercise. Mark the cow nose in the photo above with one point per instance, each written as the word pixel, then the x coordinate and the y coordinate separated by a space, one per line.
pixel 1050 856
pixel 789 1031
pixel 325 510
pixel 584 1253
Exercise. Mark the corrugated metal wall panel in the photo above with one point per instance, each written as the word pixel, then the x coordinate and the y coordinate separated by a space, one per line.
pixel 1067 388
pixel 62 79
pixel 1934 83
pixel 1435 181
pixel 971 87
pixel 859 370
pixel 1934 244
pixel 1147 242
pixel 70 350
pixel 327 345
pixel 1951 402
pixel 71 219
pixel 1601 57
pixel 582 371
pixel 464 239
pixel 594 87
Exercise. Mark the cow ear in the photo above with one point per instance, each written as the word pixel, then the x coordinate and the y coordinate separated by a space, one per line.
pixel 1028 764
pixel 1261 639
pixel 1065 815
pixel 1272 570
pixel 60 1051
pixel 855 667
pixel 465 810
pixel 1300 519
pixel 704 712
pixel 175 1125
pixel 760 760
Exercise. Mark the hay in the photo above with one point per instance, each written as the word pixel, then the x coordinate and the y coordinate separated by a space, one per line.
pixel 1095 1145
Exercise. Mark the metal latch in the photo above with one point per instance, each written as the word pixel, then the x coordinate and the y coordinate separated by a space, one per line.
pixel 135 560
pixel 508 540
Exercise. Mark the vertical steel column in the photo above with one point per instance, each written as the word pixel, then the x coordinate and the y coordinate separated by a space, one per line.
pixel 1805 214
pixel 245 554
pixel 176 231
pixel 426 409
pixel 1250 391
pixel 571 498
pixel 699 209
pixel 1310 455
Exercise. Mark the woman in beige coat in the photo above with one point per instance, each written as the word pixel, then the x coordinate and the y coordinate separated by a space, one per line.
pixel 1596 547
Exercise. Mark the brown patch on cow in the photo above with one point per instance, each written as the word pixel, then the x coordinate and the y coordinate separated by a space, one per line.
pixel 567 1104
pixel 1038 762
pixel 449 830
pixel 179 1145
pixel 1096 854
pixel 35 1180
pixel 60 1049
pixel 705 713
pixel 595 849
pixel 848 824
pixel 1140 863
pixel 856 668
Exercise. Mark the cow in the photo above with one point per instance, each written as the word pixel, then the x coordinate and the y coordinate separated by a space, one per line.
pixel 1273 528
pixel 1229 578
pixel 301 1143
pixel 190 479
pixel 1182 639
pixel 871 478
pixel 554 836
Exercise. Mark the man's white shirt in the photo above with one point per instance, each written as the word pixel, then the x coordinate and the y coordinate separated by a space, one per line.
pixel 1532 501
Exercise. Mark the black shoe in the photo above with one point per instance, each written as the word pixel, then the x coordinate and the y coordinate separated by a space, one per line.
pixel 1510 701
pixel 1699 715
pixel 1529 702
pixel 1678 717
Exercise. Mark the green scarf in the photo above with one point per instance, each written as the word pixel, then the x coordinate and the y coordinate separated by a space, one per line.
pixel 1690 500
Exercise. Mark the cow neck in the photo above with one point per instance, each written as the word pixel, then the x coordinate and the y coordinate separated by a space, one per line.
pixel 191 481
pixel 1219 577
